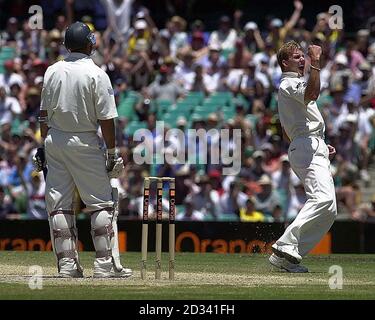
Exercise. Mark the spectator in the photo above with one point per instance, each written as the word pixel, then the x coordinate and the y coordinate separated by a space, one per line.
pixel 32 102
pixel 6 204
pixel 249 214
pixel 225 36
pixel 143 109
pixel 118 18
pixel 198 45
pixel 163 88
pixel 281 181
pixel 201 82
pixel 198 26
pixel 297 199
pixel 141 32
pixel 213 60
pixel 141 68
pixel 205 199
pixel 278 31
pixel 10 77
pixel 10 35
pixel 348 194
pixel 267 201
pixel 189 213
pixel 36 189
pixel 178 35
pixel 367 211
pixel 233 200
pixel 185 74
pixel 252 38
pixel 241 57
pixel 251 86
pixel 6 115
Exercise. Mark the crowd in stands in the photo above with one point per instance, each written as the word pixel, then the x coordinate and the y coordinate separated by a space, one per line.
pixel 191 78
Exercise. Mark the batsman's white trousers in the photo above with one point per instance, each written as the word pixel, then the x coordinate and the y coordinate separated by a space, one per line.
pixel 309 159
pixel 75 159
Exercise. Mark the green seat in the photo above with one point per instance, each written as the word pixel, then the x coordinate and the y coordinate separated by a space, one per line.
pixel 253 119
pixel 170 119
pixel 273 103
pixel 6 53
pixel 161 107
pixel 186 105
pixel 203 113
pixel 181 112
pixel 133 126
pixel 240 98
pixel 197 117
pixel 126 110
pixel 195 95
pixel 221 98
pixel 164 104
pixel 371 143
pixel 210 108
pixel 9 50
pixel 226 52
pixel 189 123
pixel 183 107
pixel 213 104
pixel 283 198
pixel 323 101
pixel 132 94
pixel 20 202
pixel 193 101
pixel 228 114
pixel 228 217
pixel 222 94
pixel 6 56
pixel 130 97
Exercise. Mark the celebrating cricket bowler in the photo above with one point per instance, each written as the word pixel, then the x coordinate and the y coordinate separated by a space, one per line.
pixel 77 98
pixel 308 155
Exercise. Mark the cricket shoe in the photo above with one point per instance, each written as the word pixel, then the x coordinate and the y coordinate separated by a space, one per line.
pixel 73 273
pixel 283 264
pixel 70 268
pixel 283 252
pixel 103 271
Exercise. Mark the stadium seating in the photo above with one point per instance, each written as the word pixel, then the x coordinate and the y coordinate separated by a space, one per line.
pixel 126 105
pixel 6 53
pixel 133 126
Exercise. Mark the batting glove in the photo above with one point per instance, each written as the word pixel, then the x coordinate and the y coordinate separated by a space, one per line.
pixel 39 159
pixel 114 164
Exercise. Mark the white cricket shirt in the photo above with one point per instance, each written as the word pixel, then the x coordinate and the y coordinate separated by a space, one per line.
pixel 297 119
pixel 76 94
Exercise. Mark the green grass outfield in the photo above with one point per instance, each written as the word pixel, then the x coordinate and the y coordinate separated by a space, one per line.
pixel 198 276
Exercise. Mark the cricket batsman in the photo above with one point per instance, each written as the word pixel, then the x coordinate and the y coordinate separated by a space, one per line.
pixel 308 155
pixel 77 98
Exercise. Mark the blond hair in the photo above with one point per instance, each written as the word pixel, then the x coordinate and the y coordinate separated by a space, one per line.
pixel 286 50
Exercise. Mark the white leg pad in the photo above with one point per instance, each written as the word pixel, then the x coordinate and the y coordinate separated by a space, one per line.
pixel 102 234
pixel 106 263
pixel 64 236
